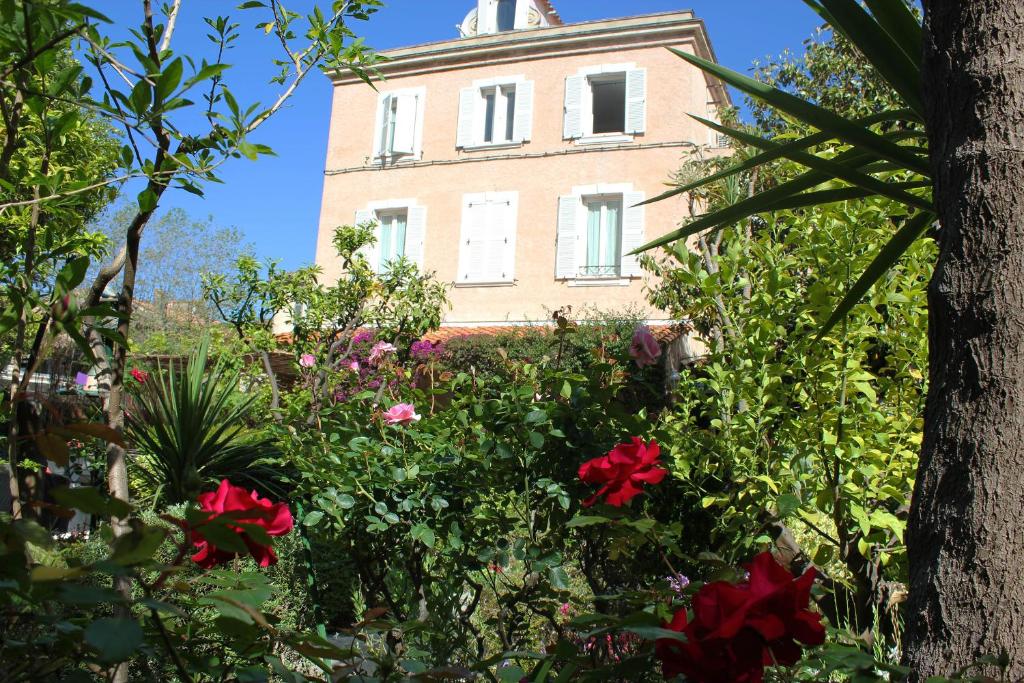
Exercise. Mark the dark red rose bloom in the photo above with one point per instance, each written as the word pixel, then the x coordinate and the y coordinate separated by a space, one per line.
pixel 623 471
pixel 738 629
pixel 249 508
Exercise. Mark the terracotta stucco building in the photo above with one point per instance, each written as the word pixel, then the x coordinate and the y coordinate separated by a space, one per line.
pixel 510 160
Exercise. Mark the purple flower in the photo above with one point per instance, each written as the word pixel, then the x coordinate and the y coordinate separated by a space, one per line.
pixel 81 379
pixel 678 583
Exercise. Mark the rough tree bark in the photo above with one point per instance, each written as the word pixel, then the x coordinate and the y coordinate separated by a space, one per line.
pixel 966 532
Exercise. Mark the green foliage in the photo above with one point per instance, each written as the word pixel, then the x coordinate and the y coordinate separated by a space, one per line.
pixel 881 155
pixel 190 429
pixel 178 623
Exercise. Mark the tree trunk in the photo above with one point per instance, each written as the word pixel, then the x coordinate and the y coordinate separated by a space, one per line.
pixel 966 530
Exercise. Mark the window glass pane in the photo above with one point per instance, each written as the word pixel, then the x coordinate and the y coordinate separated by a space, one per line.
pixel 609 98
pixel 510 111
pixel 593 237
pixel 611 237
pixel 506 15
pixel 391 245
pixel 489 116
pixel 389 135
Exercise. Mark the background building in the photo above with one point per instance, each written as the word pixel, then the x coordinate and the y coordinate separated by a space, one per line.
pixel 510 160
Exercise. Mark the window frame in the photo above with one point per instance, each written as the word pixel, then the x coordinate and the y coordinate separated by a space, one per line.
pixel 590 101
pixel 587 76
pixel 388 106
pixel 508 90
pixel 604 199
pixel 393 214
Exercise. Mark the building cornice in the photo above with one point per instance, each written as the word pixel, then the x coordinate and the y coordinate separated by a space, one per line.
pixel 654 30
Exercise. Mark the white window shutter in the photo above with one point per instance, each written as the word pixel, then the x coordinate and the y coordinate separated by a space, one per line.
pixel 383 110
pixel 415 234
pixel 636 101
pixel 506 210
pixel 496 237
pixel 405 125
pixel 472 243
pixel 632 232
pixel 573 125
pixel 467 117
pixel 522 126
pixel 368 251
pixel 568 238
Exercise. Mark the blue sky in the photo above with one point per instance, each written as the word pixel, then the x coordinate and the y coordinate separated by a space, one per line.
pixel 275 201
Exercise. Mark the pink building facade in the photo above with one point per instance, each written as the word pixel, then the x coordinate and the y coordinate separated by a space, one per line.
pixel 510 161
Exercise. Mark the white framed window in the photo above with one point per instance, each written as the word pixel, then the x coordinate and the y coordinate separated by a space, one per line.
pixel 391 242
pixel 605 103
pixel 400 227
pixel 495 112
pixel 487 245
pixel 598 227
pixel 398 133
pixel 602 241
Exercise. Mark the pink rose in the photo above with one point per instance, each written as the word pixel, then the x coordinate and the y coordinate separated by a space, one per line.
pixel 401 414
pixel 354 366
pixel 379 351
pixel 307 360
pixel 645 349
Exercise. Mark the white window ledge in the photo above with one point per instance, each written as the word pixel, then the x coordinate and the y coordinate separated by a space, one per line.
pixel 600 282
pixel 484 146
pixel 604 139
pixel 466 285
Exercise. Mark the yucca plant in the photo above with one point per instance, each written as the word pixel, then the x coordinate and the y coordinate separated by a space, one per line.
pixel 188 429
pixel 885 154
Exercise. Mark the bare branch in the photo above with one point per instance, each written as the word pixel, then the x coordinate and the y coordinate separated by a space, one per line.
pixel 172 19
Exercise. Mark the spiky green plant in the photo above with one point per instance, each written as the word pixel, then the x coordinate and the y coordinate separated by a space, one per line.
pixel 189 430
pixel 882 155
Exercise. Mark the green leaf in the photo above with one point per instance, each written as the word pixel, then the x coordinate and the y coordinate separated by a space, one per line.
pixel 140 98
pixel 889 59
pixel 886 259
pixel 313 518
pixel 559 578
pixel 169 80
pixel 832 168
pixel 587 520
pixel 147 201
pixel 138 546
pixel 72 274
pixel 811 114
pixel 90 500
pixel 787 504
pixel 902 26
pixel 115 639
pixel 536 440
pixel 424 534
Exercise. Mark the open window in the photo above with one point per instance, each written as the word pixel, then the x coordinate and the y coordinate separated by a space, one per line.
pixel 495 112
pixel 399 132
pixel 606 102
pixel 506 19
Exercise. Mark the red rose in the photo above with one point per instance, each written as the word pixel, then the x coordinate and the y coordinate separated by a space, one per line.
pixel 738 629
pixel 275 518
pixel 622 472
pixel 140 376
